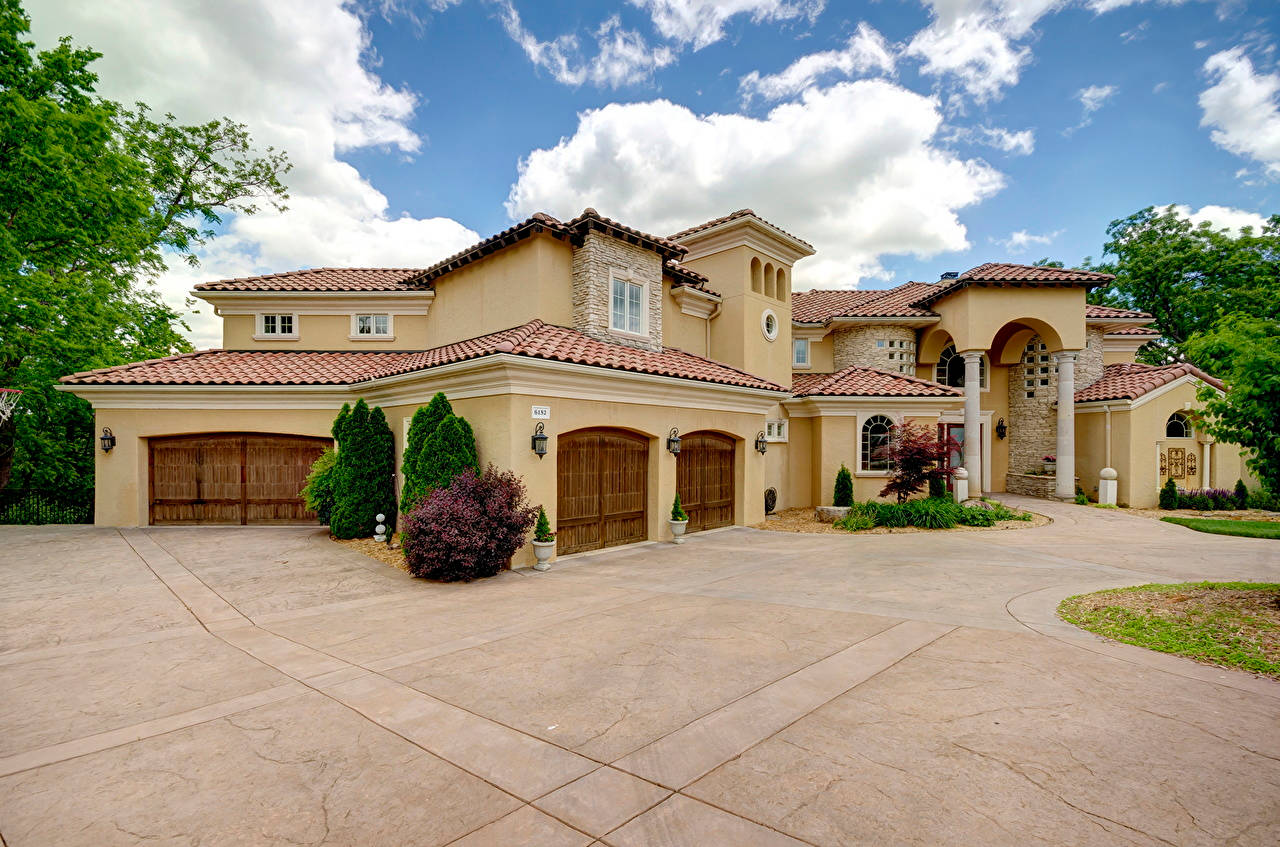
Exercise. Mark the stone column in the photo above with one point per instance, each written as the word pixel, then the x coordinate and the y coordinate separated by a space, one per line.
pixel 1066 488
pixel 973 420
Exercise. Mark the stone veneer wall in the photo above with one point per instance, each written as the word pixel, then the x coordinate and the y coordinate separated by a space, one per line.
pixel 857 346
pixel 600 256
pixel 1033 421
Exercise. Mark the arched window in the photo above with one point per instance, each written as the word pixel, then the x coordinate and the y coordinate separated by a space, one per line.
pixel 770 282
pixel 875 437
pixel 950 369
pixel 1178 426
pixel 757 276
pixel 782 284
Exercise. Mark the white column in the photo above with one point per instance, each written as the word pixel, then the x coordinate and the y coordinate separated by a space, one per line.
pixel 1066 488
pixel 973 420
pixel 1206 464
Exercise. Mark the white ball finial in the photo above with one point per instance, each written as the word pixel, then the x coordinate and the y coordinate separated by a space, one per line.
pixel 1108 473
pixel 961 473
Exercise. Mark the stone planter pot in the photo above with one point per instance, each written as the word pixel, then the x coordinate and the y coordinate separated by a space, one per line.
pixel 677 530
pixel 1051 467
pixel 543 551
pixel 831 514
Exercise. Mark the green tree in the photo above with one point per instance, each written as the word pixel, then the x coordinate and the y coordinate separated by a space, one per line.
pixel 1244 352
pixel 449 451
pixel 318 492
pixel 1189 276
pixel 425 420
pixel 842 494
pixel 93 198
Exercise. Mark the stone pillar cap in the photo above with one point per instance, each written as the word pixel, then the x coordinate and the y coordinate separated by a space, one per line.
pixel 1108 473
pixel 961 473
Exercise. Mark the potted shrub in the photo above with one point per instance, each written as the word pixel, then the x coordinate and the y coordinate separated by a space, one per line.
pixel 679 521
pixel 1050 464
pixel 544 541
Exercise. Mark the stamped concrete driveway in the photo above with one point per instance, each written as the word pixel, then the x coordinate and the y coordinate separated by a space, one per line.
pixel 266 686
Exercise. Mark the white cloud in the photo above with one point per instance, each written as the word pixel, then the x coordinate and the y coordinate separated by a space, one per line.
pixel 1223 217
pixel 297 73
pixel 854 168
pixel 865 51
pixel 1020 143
pixel 623 56
pixel 1243 107
pixel 1020 241
pixel 1092 98
pixel 701 22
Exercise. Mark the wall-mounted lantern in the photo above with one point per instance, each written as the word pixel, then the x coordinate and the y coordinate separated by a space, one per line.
pixel 539 440
pixel 108 439
pixel 673 442
pixel 1001 429
pixel 761 443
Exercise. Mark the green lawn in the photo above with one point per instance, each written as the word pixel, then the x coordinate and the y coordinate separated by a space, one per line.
pixel 1234 624
pixel 1218 526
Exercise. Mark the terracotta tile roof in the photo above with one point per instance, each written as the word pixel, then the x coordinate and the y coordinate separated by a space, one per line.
pixel 534 339
pixel 868 382
pixel 733 216
pixel 688 277
pixel 1134 330
pixel 1130 380
pixel 320 279
pixel 820 305
pixel 591 219
pixel 1005 273
pixel 1103 312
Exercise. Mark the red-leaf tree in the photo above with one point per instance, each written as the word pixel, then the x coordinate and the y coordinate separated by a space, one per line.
pixel 916 455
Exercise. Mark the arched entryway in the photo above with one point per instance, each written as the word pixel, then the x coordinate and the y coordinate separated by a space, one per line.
pixel 602 487
pixel 704 479
pixel 230 478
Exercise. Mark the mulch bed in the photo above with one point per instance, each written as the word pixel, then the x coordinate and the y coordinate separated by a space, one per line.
pixel 393 555
pixel 803 520
pixel 1228 515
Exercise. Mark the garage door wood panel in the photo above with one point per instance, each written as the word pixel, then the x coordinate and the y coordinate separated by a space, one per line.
pixel 704 478
pixel 227 478
pixel 602 490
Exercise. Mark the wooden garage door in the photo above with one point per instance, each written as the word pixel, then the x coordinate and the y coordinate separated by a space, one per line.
pixel 704 478
pixel 602 487
pixel 231 478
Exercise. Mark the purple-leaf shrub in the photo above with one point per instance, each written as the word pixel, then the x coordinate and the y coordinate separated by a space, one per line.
pixel 469 529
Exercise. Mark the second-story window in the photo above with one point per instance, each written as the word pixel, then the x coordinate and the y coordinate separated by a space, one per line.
pixel 626 307
pixel 800 352
pixel 373 326
pixel 276 325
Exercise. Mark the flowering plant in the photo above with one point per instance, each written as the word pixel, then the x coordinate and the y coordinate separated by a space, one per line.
pixel 1049 459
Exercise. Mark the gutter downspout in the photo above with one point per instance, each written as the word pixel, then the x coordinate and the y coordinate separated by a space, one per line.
pixel 711 317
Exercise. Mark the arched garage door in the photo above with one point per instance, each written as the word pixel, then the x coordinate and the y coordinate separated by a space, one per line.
pixel 602 478
pixel 231 478
pixel 704 479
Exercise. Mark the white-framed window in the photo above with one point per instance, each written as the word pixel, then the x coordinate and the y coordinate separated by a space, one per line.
pixel 626 306
pixel 769 324
pixel 874 437
pixel 800 352
pixel 277 325
pixel 775 430
pixel 371 326
pixel 1178 426
pixel 950 369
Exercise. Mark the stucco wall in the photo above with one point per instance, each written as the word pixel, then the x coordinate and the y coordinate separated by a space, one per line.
pixel 685 332
pixel 822 355
pixel 857 346
pixel 326 332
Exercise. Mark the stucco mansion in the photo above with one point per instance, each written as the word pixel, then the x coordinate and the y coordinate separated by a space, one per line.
pixel 612 343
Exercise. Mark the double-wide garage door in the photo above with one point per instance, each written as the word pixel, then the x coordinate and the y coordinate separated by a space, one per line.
pixel 231 478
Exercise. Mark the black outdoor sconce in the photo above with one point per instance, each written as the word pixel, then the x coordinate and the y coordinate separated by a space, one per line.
pixel 1001 429
pixel 673 442
pixel 539 440
pixel 108 439
pixel 761 444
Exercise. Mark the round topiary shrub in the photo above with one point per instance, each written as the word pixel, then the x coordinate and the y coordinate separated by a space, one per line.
pixel 468 529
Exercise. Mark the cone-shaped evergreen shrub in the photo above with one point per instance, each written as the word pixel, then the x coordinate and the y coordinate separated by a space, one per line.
pixel 1242 494
pixel 1169 494
pixel 468 529
pixel 542 529
pixel 449 451
pixel 363 483
pixel 425 420
pixel 843 494
pixel 677 510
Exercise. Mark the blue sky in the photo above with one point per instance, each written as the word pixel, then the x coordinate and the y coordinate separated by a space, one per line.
pixel 902 138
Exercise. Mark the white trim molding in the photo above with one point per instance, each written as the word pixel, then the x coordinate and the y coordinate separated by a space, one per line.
pixel 389 335
pixel 318 303
pixel 695 303
pixel 764 325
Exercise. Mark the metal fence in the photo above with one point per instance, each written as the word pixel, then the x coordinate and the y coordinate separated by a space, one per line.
pixel 35 506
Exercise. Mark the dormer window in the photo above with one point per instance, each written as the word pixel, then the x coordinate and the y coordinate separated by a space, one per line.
pixel 626 307
pixel 277 326
pixel 368 327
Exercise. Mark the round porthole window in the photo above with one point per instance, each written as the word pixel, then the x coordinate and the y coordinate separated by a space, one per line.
pixel 769 324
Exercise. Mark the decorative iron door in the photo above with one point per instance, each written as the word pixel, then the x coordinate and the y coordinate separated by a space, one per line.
pixel 1178 462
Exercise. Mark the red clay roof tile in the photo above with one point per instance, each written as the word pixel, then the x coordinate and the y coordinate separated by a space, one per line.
pixel 1094 311
pixel 1131 380
pixel 1006 273
pixel 822 305
pixel 733 216
pixel 320 279
pixel 534 339
pixel 868 382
